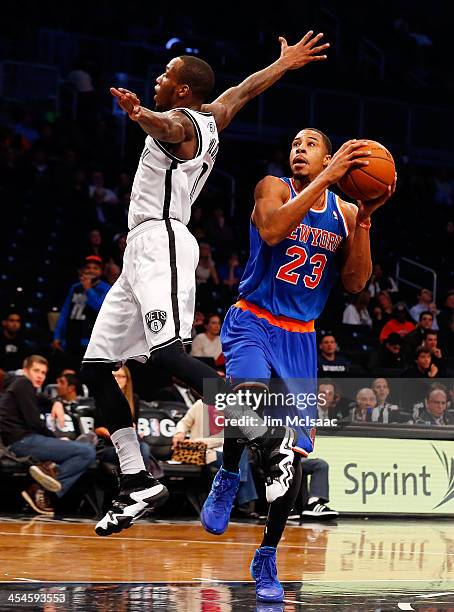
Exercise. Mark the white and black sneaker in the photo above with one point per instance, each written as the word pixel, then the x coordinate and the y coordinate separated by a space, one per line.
pixel 319 511
pixel 138 494
pixel 279 457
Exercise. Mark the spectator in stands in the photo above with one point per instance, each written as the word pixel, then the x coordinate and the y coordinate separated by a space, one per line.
pixel 425 303
pixel 197 225
pixel 230 273
pixel 67 385
pixel 430 342
pixel 22 428
pixel 435 413
pixel 366 402
pixel 399 324
pixel 201 424
pixel 357 313
pixel 388 356
pixel 177 392
pixel 423 366
pixel 79 311
pixel 416 337
pixel 384 412
pixel 379 282
pixel 330 361
pixel 315 507
pixel 206 269
pixel 208 344
pixel 382 312
pixel 13 345
pixel 96 245
pixel 198 327
pixel 447 312
pixel 330 404
pixel 104 200
pixel 124 381
pixel 219 232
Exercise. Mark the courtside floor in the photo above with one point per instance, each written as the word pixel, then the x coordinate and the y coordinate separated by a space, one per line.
pixel 356 565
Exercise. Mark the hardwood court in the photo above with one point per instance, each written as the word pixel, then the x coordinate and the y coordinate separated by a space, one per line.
pixel 371 559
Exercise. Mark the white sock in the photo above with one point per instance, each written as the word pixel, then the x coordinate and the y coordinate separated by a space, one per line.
pixel 312 500
pixel 128 450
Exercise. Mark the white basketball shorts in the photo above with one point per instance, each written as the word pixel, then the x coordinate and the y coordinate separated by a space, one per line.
pixel 151 305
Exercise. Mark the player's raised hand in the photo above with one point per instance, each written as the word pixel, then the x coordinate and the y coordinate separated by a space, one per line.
pixel 348 156
pixel 305 51
pixel 126 99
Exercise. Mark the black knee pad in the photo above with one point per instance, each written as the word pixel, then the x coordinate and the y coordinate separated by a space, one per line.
pixel 93 373
pixel 165 356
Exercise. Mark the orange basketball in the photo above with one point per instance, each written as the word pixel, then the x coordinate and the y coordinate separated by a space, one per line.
pixel 372 181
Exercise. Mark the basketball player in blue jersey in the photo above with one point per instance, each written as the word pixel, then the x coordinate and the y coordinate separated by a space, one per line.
pixel 301 234
pixel 149 311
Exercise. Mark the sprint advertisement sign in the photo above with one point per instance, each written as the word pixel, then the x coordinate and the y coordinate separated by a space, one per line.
pixel 388 475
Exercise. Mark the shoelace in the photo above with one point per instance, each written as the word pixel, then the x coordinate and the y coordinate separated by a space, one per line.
pixel 268 573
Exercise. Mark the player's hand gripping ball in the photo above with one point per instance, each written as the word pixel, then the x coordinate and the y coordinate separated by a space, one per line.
pixel 371 181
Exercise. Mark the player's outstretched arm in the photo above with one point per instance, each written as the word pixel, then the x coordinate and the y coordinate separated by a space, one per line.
pixel 357 262
pixel 228 104
pixel 170 126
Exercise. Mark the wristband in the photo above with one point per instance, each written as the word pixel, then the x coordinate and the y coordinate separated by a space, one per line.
pixel 365 225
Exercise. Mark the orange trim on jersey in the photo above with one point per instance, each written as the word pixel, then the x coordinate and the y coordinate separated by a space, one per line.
pixel 286 323
pixel 301 451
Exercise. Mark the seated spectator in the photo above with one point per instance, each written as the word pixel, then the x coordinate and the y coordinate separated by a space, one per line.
pixel 22 428
pixel 447 312
pixel 399 324
pixel 124 381
pixel 330 405
pixel 198 326
pixel 416 337
pixel 13 346
pixel 208 344
pixel 362 411
pixel 384 412
pixel 379 282
pixel 79 311
pixel 199 421
pixel 329 360
pixel 315 508
pixel 430 342
pixel 434 412
pixel 382 312
pixel 95 245
pixel 388 356
pixel 196 225
pixel 425 304
pixel 104 200
pixel 67 385
pixel 219 232
pixel 423 366
pixel 177 392
pixel 230 273
pixel 357 313
pixel 206 269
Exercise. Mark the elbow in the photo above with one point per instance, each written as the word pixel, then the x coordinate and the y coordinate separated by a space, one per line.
pixel 353 284
pixel 270 237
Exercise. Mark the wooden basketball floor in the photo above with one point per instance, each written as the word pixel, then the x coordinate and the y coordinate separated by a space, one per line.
pixel 356 565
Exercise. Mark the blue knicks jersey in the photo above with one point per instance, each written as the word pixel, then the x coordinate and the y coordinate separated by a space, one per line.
pixel 294 278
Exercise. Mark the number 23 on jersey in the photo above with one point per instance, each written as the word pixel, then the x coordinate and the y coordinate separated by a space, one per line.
pixel 288 271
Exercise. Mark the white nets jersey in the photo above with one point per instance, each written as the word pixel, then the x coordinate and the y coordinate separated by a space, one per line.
pixel 165 187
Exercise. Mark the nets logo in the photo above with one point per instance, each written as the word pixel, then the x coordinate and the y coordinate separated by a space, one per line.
pixel 156 319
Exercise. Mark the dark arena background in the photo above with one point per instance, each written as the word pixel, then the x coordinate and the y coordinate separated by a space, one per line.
pixel 372 525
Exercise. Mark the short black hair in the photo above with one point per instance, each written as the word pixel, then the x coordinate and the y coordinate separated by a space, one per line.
pixel 199 75
pixel 326 140
pixel 71 380
pixel 424 313
pixel 430 332
pixel 421 350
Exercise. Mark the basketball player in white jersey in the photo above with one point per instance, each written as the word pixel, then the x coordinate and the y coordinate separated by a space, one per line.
pixel 150 309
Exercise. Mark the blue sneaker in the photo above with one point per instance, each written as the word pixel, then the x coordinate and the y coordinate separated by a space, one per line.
pixel 264 572
pixel 218 505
